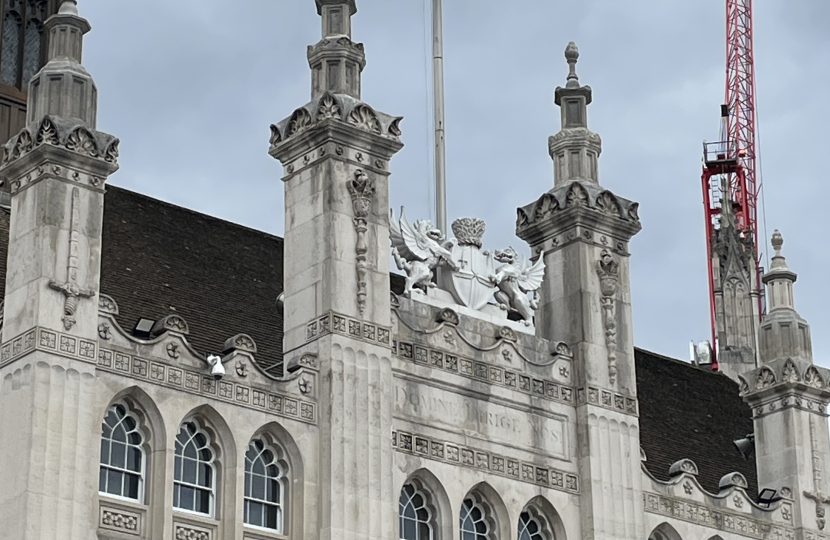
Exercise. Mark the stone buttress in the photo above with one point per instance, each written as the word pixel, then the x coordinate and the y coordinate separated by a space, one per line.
pixel 336 151
pixel 584 232
pixel 55 169
pixel 789 397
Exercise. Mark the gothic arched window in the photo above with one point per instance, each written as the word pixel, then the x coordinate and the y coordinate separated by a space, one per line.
pixel 122 457
pixel 474 525
pixel 194 474
pixel 265 486
pixel 530 528
pixel 22 40
pixel 10 58
pixel 415 519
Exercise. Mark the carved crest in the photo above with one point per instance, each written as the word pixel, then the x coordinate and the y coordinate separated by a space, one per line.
pixel 470 284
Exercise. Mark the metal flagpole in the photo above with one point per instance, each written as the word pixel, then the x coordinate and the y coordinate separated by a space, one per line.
pixel 440 149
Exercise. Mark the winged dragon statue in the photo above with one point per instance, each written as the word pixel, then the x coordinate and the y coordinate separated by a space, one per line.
pixel 515 278
pixel 417 250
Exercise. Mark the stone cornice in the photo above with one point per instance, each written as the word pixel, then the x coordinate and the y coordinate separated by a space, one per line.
pixel 791 377
pixel 67 141
pixel 577 203
pixel 338 118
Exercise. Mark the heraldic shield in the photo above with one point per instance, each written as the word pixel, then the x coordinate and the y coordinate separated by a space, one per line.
pixel 470 285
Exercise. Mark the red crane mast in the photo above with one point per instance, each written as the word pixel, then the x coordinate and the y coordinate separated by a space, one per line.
pixel 730 165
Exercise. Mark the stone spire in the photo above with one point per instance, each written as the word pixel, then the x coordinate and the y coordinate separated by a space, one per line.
pixel 736 291
pixel 575 148
pixel 63 87
pixel 784 334
pixel 336 61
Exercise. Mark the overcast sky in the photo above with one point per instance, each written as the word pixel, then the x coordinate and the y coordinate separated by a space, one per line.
pixel 191 86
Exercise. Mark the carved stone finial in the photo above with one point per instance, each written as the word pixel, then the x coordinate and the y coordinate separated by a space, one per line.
pixel 572 56
pixel 362 190
pixel 69 7
pixel 777 242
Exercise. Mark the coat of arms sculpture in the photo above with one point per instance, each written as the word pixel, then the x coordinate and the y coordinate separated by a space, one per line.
pixel 463 269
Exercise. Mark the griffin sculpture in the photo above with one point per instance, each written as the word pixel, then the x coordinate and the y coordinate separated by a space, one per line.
pixel 515 278
pixel 418 250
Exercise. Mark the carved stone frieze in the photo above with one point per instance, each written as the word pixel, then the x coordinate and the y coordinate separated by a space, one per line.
pixel 73 135
pixel 607 400
pixel 43 339
pixel 191 532
pixel 475 458
pixel 198 383
pixel 740 524
pixel 362 191
pixel 483 372
pixel 335 323
pixel 172 323
pixel 608 270
pixel 119 520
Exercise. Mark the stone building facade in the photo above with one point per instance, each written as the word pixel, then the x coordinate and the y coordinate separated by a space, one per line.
pixel 253 387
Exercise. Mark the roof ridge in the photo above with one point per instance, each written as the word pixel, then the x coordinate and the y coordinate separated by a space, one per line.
pixel 194 212
pixel 678 361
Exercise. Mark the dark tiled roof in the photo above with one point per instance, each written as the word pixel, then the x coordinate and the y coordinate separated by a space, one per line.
pixel 224 279
pixel 691 412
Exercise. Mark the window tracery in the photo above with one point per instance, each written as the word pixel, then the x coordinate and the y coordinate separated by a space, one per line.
pixel 530 528
pixel 194 471
pixel 122 461
pixel 474 525
pixel 265 486
pixel 414 516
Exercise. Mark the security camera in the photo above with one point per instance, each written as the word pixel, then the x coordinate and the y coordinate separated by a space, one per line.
pixel 217 369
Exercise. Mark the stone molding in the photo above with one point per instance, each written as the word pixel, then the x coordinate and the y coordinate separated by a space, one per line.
pixel 607 400
pixel 783 378
pixel 73 135
pixel 557 209
pixel 335 108
pixel 50 341
pixel 336 323
pixel 705 515
pixel 463 456
pixel 483 372
pixel 200 384
pixel 107 304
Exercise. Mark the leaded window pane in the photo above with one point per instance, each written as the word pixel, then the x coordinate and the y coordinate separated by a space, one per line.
pixel 31 50
pixel 264 486
pixel 414 517
pixel 529 528
pixel 10 59
pixel 193 471
pixel 122 457
pixel 473 524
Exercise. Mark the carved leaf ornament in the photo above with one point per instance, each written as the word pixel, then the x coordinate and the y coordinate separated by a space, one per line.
pixel 72 135
pixel 365 118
